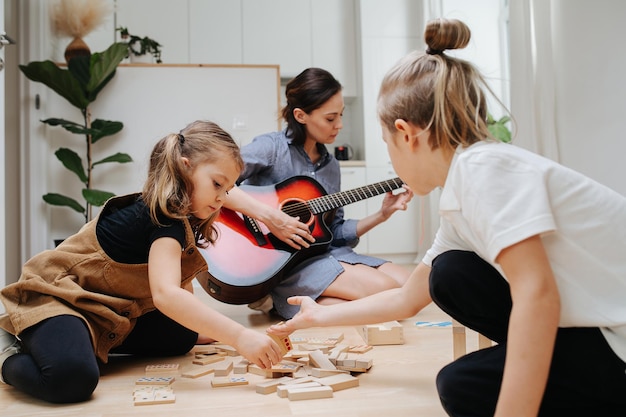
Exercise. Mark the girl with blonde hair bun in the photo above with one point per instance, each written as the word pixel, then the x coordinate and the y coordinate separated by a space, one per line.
pixel 528 253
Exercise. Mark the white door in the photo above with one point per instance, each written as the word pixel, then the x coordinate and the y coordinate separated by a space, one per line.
pixel 2 186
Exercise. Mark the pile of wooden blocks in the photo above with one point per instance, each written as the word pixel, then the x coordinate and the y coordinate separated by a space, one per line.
pixel 155 388
pixel 315 369
pixel 311 368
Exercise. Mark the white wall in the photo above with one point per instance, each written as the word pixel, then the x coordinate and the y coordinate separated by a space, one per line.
pixel 590 66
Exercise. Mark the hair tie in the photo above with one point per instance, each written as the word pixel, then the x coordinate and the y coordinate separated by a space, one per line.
pixel 181 139
pixel 430 51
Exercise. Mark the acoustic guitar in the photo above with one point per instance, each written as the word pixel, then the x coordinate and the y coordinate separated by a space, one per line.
pixel 247 261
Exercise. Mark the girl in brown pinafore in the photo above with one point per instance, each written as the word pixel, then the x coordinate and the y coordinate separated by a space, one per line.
pixel 122 284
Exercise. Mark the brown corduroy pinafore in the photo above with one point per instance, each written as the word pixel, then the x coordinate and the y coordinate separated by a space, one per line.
pixel 79 279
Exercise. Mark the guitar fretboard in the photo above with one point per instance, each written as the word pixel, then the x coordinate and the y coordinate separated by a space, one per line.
pixel 343 198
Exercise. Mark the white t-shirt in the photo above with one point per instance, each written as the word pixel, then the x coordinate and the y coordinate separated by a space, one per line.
pixel 498 194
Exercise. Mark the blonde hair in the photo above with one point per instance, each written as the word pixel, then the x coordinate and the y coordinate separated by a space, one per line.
pixel 434 91
pixel 168 189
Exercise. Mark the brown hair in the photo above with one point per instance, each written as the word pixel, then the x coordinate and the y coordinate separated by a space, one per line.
pixel 168 188
pixel 437 92
pixel 308 91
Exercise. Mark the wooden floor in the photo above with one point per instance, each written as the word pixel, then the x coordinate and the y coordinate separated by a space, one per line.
pixel 400 383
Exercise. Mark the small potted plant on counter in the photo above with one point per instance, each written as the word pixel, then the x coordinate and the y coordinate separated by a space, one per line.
pixel 138 46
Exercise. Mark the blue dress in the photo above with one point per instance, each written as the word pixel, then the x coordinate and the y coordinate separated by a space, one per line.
pixel 271 158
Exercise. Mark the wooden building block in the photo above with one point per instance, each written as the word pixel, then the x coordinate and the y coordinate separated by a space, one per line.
pixel 310 393
pixel 360 349
pixel 339 381
pixel 321 373
pixel 267 387
pixel 228 381
pixel 285 367
pixel 150 395
pixel 197 371
pixel 208 359
pixel 223 368
pixel 162 368
pixel 241 367
pixel 229 350
pixel 206 350
pixel 319 360
pixel 284 343
pixel 155 380
pixel 283 390
pixel 389 333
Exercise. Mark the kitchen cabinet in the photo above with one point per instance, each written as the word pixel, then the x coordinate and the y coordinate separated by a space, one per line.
pixel 355 177
pixel 277 32
pixel 399 235
pixel 294 34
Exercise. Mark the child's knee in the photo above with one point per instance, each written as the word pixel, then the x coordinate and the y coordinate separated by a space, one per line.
pixel 73 382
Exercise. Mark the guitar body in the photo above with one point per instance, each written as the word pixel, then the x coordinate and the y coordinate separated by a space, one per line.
pixel 247 261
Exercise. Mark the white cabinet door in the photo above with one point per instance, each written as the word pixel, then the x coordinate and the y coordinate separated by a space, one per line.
pixel 277 32
pixel 354 177
pixel 215 32
pixel 165 21
pixel 334 41
pixel 399 234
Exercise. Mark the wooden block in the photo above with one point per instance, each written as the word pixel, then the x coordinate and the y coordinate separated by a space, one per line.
pixel 484 341
pixel 319 360
pixel 155 380
pixel 339 381
pixel 283 390
pixel 229 350
pixel 389 333
pixel 197 371
pixel 349 361
pixel 229 381
pixel 284 343
pixel 223 368
pixel 360 348
pixel 267 387
pixel 310 393
pixel 321 373
pixel 154 395
pixel 241 367
pixel 162 368
pixel 206 350
pixel 285 368
pixel 459 347
pixel 205 360
pixel 254 369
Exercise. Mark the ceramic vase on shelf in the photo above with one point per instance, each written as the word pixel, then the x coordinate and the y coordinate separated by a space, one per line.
pixel 77 47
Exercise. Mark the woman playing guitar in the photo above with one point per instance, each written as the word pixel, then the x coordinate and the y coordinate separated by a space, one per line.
pixel 313 115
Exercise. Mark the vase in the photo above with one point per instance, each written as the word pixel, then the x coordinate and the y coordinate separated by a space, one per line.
pixel 77 47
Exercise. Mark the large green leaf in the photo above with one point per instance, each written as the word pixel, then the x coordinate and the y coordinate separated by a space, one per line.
pixel 96 197
pixel 59 80
pixel 61 200
pixel 68 125
pixel 101 128
pixel 79 68
pixel 72 161
pixel 122 158
pixel 103 65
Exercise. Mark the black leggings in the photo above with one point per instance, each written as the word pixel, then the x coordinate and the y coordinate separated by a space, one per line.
pixel 586 377
pixel 58 364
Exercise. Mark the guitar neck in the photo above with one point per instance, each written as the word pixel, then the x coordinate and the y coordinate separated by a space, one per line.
pixel 343 198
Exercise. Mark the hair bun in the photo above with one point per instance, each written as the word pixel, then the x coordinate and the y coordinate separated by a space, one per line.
pixel 442 34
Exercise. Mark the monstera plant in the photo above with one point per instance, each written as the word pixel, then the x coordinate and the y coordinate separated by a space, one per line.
pixel 80 83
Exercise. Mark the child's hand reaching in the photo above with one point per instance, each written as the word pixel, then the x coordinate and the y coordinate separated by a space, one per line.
pixel 305 318
pixel 258 348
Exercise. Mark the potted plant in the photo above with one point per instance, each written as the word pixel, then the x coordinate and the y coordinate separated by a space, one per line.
pixel 498 128
pixel 79 84
pixel 138 46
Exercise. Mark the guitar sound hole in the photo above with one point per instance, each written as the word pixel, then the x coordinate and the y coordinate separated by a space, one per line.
pixel 296 208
